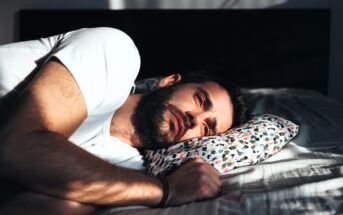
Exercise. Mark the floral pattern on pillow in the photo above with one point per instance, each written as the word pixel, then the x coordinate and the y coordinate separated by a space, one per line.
pixel 256 140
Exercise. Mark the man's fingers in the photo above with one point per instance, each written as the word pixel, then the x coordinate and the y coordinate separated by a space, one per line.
pixel 200 180
pixel 209 186
pixel 208 166
pixel 208 177
pixel 197 160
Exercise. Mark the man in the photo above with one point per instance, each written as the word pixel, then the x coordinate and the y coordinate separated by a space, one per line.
pixel 71 139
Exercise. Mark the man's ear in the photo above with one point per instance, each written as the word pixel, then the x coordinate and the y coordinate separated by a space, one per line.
pixel 169 80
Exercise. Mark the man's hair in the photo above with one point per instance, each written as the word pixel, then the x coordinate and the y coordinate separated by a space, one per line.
pixel 238 99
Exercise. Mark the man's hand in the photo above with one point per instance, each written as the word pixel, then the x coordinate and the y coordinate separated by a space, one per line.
pixel 195 180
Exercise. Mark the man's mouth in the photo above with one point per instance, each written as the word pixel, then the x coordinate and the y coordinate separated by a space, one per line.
pixel 179 122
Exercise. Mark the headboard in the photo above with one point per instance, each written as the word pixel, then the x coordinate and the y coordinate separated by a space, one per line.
pixel 254 48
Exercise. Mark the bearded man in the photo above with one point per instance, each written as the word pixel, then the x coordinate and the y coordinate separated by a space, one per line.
pixel 71 140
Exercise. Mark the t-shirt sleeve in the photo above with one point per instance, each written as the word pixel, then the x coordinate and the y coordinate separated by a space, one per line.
pixel 104 63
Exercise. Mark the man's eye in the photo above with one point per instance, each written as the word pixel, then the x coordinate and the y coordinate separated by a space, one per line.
pixel 206 130
pixel 200 100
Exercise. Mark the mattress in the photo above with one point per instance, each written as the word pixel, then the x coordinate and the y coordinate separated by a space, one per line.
pixel 305 177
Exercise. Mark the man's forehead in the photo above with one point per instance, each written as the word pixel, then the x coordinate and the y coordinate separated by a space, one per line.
pixel 207 85
pixel 212 88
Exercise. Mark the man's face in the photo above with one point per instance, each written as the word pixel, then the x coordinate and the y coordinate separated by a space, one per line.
pixel 170 115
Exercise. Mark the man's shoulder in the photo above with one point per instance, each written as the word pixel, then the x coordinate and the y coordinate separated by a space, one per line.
pixel 104 34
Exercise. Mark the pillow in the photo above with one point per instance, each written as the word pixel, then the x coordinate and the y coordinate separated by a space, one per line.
pixel 256 140
pixel 146 85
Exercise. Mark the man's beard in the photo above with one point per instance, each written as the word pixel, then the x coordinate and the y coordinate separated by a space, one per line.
pixel 148 118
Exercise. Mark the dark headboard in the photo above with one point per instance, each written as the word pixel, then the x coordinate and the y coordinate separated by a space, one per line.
pixel 254 48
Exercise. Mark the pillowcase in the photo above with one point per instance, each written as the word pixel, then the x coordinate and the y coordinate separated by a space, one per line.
pixel 256 140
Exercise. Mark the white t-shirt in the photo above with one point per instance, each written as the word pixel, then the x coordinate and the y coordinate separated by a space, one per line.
pixel 104 62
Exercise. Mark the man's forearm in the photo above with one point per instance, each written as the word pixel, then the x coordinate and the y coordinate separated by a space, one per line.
pixel 47 162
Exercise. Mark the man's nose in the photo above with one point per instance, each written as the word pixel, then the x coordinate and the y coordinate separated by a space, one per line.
pixel 196 118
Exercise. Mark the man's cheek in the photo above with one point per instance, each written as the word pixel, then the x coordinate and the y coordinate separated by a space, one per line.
pixel 191 134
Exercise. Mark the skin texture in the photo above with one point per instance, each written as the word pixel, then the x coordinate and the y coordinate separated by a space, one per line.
pixel 35 152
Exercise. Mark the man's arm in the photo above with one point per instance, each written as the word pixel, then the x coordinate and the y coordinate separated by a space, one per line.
pixel 35 152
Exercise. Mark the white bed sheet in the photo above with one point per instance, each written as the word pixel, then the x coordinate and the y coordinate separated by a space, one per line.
pixel 306 177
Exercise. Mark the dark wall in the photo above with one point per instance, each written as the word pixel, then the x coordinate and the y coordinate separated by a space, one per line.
pixel 255 48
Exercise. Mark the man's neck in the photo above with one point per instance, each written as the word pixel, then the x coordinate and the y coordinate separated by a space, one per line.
pixel 121 125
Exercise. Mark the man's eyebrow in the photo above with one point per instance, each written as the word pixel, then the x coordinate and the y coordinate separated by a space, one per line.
pixel 208 105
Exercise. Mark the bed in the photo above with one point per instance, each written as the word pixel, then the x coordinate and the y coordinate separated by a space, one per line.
pixel 279 57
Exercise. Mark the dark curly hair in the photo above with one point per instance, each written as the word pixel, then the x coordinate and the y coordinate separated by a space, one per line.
pixel 241 113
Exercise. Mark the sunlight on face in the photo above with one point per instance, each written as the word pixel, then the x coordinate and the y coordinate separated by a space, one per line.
pixel 197 109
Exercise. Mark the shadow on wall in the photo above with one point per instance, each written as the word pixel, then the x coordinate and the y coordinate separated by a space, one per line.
pixel 335 77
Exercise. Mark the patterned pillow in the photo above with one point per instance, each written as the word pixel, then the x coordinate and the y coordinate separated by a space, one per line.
pixel 256 140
